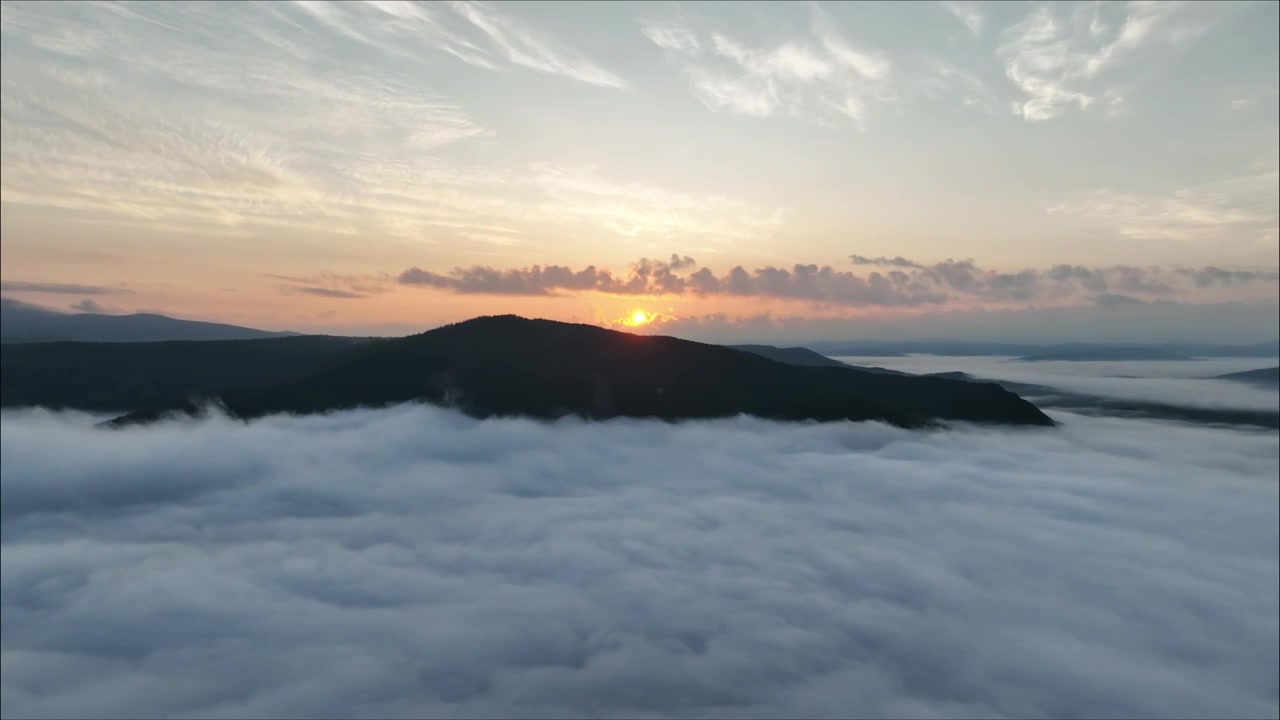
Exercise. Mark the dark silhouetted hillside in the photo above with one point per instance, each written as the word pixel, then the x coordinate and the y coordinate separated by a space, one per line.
pixel 497 366
pixel 23 323
pixel 129 377
pixel 1264 377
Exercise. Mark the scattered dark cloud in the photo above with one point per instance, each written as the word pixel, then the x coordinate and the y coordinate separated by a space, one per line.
pixel 897 261
pixel 1210 276
pixel 1091 279
pixel 646 277
pixel 1109 300
pixel 536 280
pixel 1024 285
pixel 823 284
pixel 60 288
pixel 656 277
pixel 909 284
pixel 327 292
pixel 88 305
pixel 1128 278
pixel 334 285
pixel 412 562
pixel 681 262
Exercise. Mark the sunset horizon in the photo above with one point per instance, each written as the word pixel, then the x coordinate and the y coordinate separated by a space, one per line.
pixel 384 168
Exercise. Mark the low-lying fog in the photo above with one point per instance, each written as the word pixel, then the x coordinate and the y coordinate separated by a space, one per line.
pixel 413 562
pixel 1175 382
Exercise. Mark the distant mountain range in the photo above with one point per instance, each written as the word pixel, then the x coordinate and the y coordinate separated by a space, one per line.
pixel 791 355
pixel 490 366
pixel 1085 353
pixel 1072 351
pixel 24 323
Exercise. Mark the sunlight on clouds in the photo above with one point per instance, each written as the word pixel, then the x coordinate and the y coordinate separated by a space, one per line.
pixel 633 210
pixel 638 319
pixel 258 139
pixel 1243 208
pixel 392 134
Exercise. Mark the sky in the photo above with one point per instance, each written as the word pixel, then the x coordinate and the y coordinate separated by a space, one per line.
pixel 754 171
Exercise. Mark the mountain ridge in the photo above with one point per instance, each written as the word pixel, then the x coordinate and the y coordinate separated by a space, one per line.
pixel 491 366
pixel 25 323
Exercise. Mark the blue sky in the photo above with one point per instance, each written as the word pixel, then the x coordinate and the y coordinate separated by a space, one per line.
pixel 289 164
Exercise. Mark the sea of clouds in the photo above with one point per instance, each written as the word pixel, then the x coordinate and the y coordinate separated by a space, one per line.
pixel 411 562
pixel 1190 383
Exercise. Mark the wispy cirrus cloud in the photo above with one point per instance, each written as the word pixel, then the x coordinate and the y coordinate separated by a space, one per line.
pixel 820 75
pixel 209 125
pixel 215 118
pixel 673 37
pixel 1240 208
pixel 60 288
pixel 970 89
pixel 1061 59
pixel 332 293
pixel 635 210
pixel 476 33
pixel 524 47
pixel 967 13
pixel 336 286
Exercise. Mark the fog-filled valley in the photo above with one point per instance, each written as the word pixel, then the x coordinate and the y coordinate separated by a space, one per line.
pixel 1194 383
pixel 413 562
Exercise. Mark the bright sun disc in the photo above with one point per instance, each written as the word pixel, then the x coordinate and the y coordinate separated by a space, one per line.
pixel 639 318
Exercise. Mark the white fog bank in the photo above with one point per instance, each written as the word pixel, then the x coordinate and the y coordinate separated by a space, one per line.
pixel 414 563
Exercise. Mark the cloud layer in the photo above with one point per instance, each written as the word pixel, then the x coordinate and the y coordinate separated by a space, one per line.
pixel 410 562
pixel 906 283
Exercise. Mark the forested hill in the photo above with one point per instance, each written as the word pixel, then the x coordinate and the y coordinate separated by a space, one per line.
pixel 504 365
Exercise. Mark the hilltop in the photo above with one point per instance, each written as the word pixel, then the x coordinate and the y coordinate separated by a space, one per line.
pixel 489 366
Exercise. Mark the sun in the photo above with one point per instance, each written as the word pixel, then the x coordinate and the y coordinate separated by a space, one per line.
pixel 637 318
